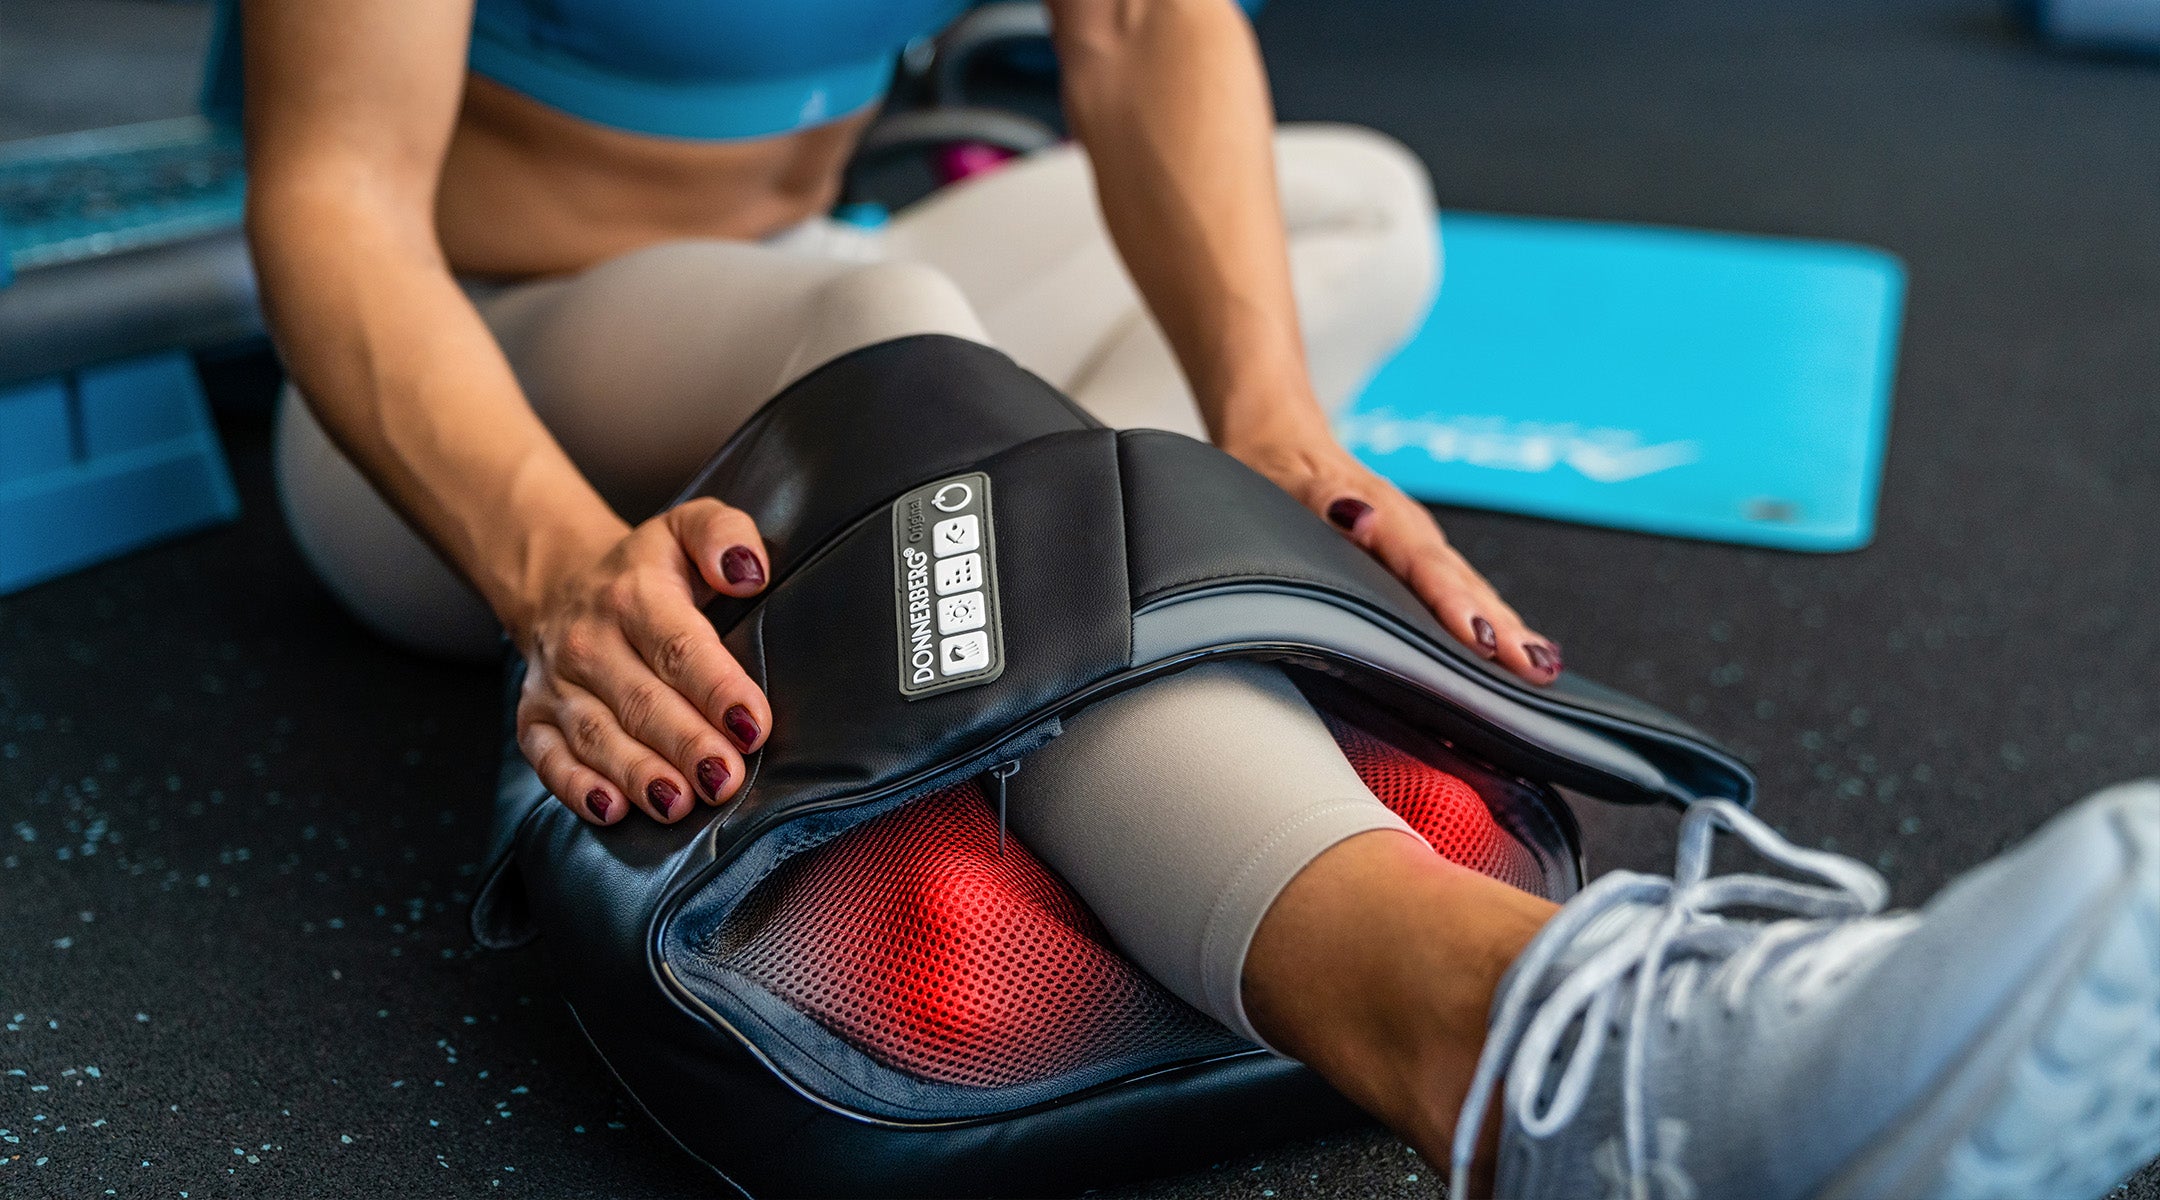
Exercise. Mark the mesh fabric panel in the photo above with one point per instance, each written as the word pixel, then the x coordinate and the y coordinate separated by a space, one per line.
pixel 1448 813
pixel 915 940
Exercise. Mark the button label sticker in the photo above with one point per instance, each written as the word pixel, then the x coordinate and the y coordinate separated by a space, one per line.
pixel 961 573
pixel 958 614
pixel 965 654
pixel 945 587
pixel 956 535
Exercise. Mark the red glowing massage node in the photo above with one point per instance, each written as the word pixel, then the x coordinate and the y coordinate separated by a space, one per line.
pixel 916 940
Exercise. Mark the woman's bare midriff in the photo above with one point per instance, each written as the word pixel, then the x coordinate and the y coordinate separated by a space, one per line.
pixel 528 190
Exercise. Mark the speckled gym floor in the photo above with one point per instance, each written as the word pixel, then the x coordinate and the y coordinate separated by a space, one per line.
pixel 237 836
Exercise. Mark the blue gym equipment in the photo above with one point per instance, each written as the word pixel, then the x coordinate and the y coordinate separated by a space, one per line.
pixel 2116 26
pixel 123 256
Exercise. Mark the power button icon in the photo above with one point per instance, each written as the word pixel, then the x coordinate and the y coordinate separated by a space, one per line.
pixel 952 497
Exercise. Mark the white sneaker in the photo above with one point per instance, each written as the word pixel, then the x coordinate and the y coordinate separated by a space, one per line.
pixel 1761 1038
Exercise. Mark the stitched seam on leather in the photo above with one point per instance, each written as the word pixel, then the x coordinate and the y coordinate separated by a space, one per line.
pixel 1125 538
pixel 764 678
pixel 757 641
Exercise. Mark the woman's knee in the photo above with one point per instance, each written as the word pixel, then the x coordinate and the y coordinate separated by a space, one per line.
pixel 877 303
pixel 1348 182
pixel 1364 246
pixel 1388 178
pixel 893 299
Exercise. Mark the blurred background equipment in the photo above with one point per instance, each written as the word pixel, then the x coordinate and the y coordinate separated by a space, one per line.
pixel 2123 26
pixel 123 259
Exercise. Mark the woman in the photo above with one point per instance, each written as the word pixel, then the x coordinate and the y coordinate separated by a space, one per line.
pixel 530 263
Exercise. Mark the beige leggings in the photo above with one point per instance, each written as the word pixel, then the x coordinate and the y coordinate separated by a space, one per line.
pixel 643 365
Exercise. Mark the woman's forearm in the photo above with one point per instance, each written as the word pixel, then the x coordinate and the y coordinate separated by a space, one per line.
pixel 1171 103
pixel 402 373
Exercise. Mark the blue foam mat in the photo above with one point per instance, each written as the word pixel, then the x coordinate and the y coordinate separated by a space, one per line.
pixel 1707 385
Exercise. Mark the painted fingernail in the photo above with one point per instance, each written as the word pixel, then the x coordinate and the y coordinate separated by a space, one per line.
pixel 1541 658
pixel 741 567
pixel 1487 640
pixel 712 775
pixel 598 803
pixel 1558 663
pixel 664 796
pixel 741 726
pixel 1347 512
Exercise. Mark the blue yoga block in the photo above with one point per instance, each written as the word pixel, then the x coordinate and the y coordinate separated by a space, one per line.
pixel 36 430
pixel 106 460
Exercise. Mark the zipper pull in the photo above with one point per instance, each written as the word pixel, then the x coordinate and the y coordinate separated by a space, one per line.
pixel 1002 772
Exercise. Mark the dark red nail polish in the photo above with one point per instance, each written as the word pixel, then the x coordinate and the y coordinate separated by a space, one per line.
pixel 1487 640
pixel 1541 658
pixel 740 566
pixel 741 726
pixel 598 803
pixel 1347 512
pixel 664 796
pixel 712 775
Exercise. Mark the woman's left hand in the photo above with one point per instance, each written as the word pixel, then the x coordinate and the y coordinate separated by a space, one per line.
pixel 1400 533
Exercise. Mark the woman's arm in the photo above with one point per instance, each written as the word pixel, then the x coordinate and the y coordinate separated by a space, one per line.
pixel 350 110
pixel 1170 100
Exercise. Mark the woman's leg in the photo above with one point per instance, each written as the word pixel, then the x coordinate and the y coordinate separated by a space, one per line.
pixel 1377 966
pixel 1180 808
pixel 1209 819
pixel 640 367
pixel 1213 825
pixel 1027 245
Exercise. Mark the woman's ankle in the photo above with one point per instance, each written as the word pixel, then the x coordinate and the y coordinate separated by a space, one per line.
pixel 1377 966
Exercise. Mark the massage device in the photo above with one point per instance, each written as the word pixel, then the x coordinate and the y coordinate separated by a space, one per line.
pixel 850 980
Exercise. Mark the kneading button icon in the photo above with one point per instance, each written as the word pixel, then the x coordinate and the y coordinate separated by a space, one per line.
pixel 966 653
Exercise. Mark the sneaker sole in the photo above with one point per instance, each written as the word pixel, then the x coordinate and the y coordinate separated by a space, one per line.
pixel 2062 1100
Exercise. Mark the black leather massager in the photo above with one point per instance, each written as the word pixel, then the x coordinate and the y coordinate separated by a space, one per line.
pixel 849 980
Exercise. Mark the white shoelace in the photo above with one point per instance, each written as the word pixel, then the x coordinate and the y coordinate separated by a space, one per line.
pixel 1673 919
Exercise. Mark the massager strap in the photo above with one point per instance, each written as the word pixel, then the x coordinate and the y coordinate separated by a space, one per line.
pixel 844 441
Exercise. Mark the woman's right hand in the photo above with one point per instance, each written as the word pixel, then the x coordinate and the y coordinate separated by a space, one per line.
pixel 629 696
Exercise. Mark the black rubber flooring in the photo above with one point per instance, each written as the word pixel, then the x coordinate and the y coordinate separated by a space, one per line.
pixel 236 835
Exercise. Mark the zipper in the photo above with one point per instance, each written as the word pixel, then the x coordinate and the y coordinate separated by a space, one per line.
pixel 1004 756
pixel 1002 772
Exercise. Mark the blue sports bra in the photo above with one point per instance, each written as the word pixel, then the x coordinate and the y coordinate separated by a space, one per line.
pixel 707 69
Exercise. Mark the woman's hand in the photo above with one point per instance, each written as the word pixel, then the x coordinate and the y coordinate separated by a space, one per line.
pixel 627 687
pixel 1399 532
